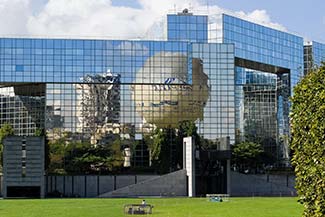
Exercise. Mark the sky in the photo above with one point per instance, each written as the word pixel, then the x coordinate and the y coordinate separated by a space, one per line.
pixel 129 19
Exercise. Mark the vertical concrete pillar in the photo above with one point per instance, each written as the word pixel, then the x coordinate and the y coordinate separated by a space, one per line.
pixel 188 142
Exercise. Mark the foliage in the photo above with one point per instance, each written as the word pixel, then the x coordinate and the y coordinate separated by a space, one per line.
pixel 165 146
pixel 79 157
pixel 161 149
pixel 246 155
pixel 187 128
pixel 140 150
pixel 5 130
pixel 308 141
pixel 39 132
pixel 56 150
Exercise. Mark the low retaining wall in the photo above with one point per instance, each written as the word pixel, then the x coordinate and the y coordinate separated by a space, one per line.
pixel 93 186
pixel 89 186
pixel 169 185
pixel 262 185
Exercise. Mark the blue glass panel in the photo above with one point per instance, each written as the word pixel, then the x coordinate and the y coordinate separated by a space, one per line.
pixel 58 43
pixel 19 68
pixel 318 50
pixel 262 44
pixel 187 28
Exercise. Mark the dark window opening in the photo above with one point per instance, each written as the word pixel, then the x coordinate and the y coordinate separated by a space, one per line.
pixel 24 191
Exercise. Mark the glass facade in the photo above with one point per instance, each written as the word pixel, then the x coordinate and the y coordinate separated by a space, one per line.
pixel 314 55
pixel 265 45
pixel 269 63
pixel 104 91
pixel 255 103
pixel 218 64
pixel 186 27
pixel 308 58
pixel 318 50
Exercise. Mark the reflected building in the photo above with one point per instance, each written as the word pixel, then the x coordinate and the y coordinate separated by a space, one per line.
pixel 314 55
pixel 22 106
pixel 256 104
pixel 53 118
pixel 99 106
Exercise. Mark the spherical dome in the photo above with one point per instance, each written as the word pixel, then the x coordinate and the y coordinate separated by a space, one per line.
pixel 162 94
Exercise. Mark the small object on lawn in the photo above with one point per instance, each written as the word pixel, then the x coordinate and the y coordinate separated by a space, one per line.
pixel 216 199
pixel 138 209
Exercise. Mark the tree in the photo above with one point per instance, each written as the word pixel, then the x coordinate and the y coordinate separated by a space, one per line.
pixel 82 157
pixel 40 132
pixel 185 129
pixel 245 155
pixel 5 130
pixel 308 141
pixel 161 150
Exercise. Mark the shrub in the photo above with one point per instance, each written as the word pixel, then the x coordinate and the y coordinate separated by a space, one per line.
pixel 308 141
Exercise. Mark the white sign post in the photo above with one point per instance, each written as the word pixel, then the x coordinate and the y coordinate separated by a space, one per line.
pixel 189 162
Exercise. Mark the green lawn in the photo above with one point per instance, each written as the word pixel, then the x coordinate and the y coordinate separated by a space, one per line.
pixel 171 207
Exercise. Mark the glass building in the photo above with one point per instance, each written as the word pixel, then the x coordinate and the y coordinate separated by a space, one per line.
pixel 106 92
pixel 308 57
pixel 318 52
pixel 314 55
pixel 103 91
pixel 268 64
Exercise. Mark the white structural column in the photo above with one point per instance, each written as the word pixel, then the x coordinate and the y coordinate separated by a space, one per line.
pixel 189 161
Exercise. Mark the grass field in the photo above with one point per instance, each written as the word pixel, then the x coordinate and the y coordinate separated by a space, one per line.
pixel 171 207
